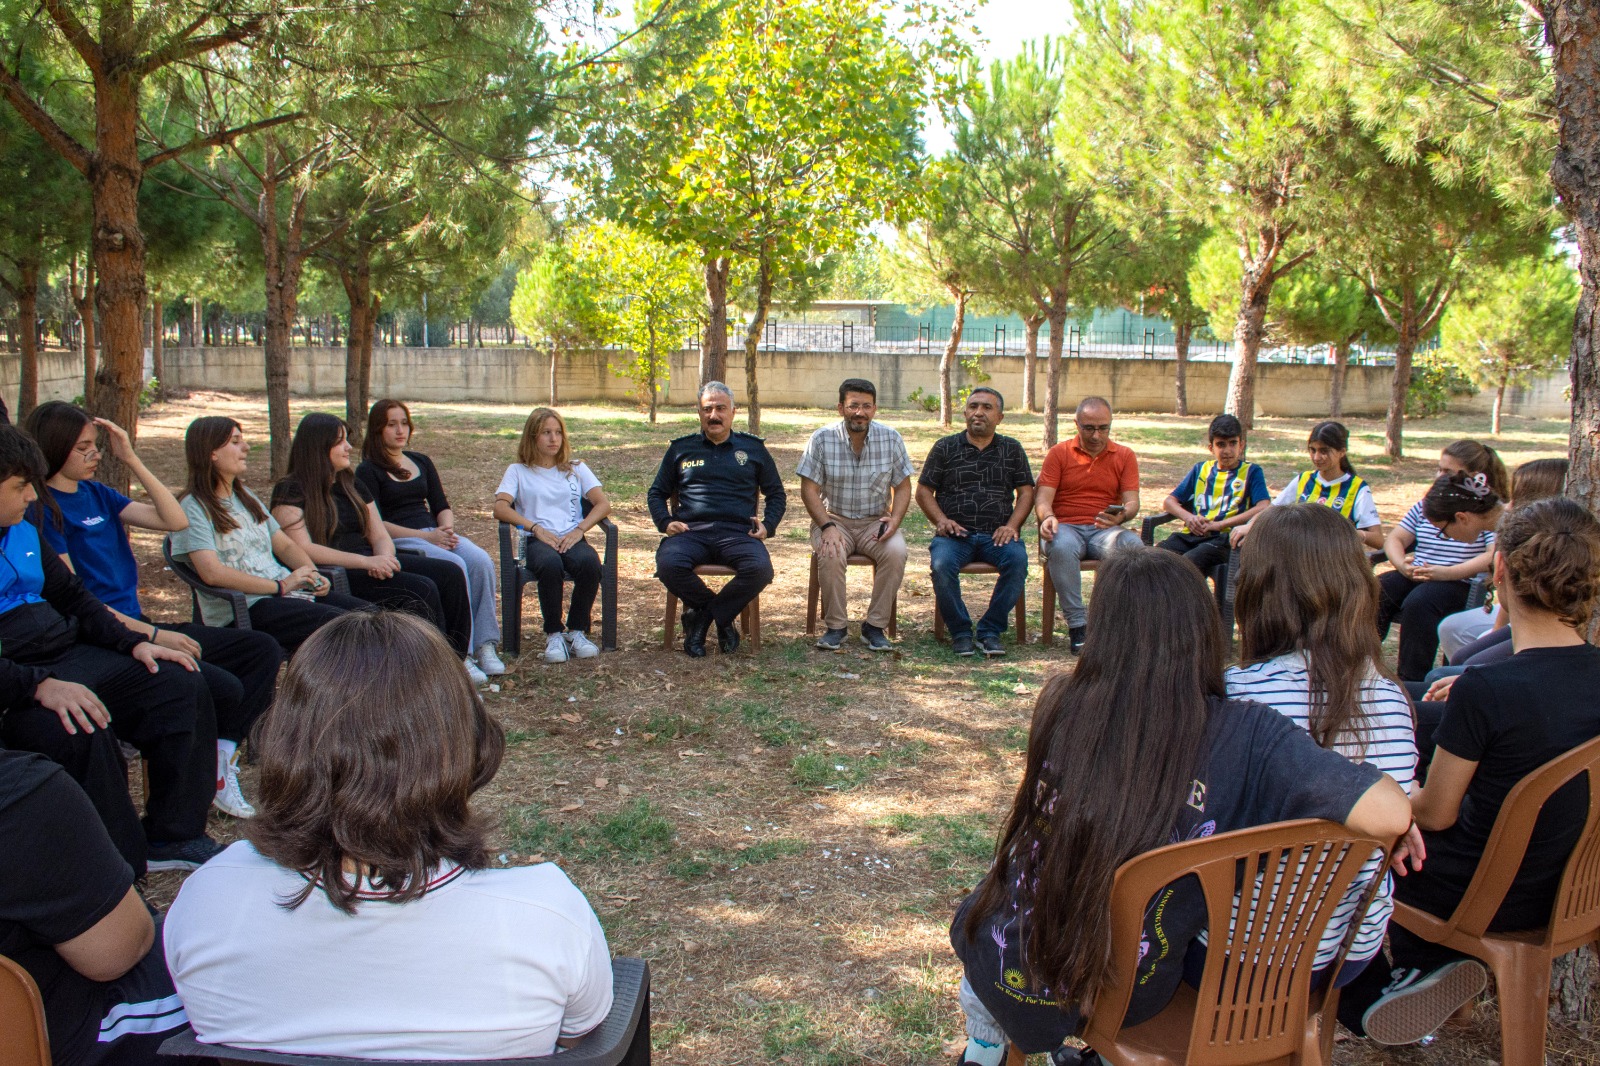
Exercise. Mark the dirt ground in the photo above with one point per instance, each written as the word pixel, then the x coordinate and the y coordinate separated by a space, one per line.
pixel 784 835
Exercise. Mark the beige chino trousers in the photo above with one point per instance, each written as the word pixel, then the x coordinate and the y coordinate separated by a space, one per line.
pixel 889 555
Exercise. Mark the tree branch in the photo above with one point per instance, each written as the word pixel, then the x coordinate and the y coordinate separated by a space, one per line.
pixel 46 126
pixel 219 138
pixel 184 47
pixel 77 35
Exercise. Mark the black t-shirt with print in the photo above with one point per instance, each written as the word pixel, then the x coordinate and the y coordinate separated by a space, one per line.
pixel 1260 768
pixel 415 502
pixel 976 486
pixel 62 875
pixel 348 532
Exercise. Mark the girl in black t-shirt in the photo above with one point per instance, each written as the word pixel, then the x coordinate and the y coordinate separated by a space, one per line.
pixel 324 509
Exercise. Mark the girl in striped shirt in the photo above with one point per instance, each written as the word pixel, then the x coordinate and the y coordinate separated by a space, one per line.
pixel 1305 601
pixel 1450 541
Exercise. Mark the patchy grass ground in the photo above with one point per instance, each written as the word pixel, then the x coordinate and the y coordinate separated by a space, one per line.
pixel 785 835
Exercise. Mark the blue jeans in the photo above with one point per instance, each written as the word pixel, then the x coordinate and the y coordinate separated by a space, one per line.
pixel 948 555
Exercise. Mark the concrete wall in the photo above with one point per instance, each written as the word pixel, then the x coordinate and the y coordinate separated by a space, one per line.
pixel 791 379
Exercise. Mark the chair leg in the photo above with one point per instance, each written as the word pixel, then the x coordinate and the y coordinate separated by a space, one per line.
pixel 1522 983
pixel 1047 612
pixel 894 619
pixel 753 623
pixel 938 622
pixel 813 592
pixel 1022 616
pixel 669 622
pixel 1015 1057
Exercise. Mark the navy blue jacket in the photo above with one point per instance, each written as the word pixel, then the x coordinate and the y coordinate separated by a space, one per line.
pixel 717 482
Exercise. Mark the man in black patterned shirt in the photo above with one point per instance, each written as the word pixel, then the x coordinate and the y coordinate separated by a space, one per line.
pixel 976 487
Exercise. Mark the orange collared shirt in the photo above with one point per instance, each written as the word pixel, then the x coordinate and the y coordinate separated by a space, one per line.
pixel 1086 485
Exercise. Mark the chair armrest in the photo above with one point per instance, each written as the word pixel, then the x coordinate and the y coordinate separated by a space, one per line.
pixel 1147 528
pixel 337 578
pixel 1477 591
pixel 191 577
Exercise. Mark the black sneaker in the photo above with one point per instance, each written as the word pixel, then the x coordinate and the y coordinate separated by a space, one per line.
pixel 1417 1002
pixel 962 645
pixel 1077 634
pixel 875 638
pixel 832 640
pixel 184 855
pixel 1075 1056
pixel 727 638
pixel 990 646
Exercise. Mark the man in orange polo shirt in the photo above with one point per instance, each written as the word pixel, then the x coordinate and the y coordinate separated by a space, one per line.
pixel 1087 493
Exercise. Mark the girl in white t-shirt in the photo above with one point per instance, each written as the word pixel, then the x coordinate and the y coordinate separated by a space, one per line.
pixel 1331 482
pixel 1305 600
pixel 361 918
pixel 555 499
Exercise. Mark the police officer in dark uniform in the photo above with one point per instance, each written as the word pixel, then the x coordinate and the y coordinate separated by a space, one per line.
pixel 714 476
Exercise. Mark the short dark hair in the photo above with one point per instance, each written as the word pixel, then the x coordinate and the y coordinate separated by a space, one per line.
pixel 1223 427
pixel 861 385
pixel 992 391
pixel 19 456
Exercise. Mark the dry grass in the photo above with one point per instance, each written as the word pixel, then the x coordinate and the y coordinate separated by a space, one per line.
pixel 785 835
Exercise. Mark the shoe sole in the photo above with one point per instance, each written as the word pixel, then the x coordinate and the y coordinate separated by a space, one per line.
pixel 885 646
pixel 1414 1013
pixel 997 653
pixel 158 865
pixel 967 654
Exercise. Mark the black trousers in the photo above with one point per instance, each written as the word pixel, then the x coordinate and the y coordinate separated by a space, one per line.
pixel 1420 606
pixel 290 619
pixel 166 715
pixel 241 670
pixel 436 589
pixel 550 569
pixel 722 543
pixel 1204 552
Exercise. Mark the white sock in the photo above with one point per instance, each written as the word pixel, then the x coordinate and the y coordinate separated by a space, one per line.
pixel 226 750
pixel 983 1053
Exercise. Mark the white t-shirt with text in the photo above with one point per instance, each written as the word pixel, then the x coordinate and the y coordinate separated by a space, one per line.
pixel 547 497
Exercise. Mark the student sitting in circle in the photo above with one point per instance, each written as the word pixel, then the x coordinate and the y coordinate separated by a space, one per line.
pixel 1147 697
pixel 1331 482
pixel 1216 495
pixel 410 497
pixel 360 918
pixel 330 514
pixel 1450 533
pixel 1304 598
pixel 543 494
pixel 233 543
pixel 87 524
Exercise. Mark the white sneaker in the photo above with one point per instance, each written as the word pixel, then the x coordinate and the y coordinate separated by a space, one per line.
pixel 478 676
pixel 581 646
pixel 555 648
pixel 230 798
pixel 489 661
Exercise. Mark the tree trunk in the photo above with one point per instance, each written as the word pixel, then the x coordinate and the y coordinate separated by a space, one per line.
pixel 947 361
pixel 26 293
pixel 158 367
pixel 283 260
pixel 1573 31
pixel 83 299
pixel 714 346
pixel 115 174
pixel 1053 375
pixel 1499 405
pixel 1341 363
pixel 650 371
pixel 1573 979
pixel 357 282
pixel 1181 332
pixel 752 341
pixel 1030 362
pixel 555 363
pixel 1405 347
pixel 1255 289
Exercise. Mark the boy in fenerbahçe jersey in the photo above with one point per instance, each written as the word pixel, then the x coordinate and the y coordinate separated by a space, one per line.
pixel 1216 495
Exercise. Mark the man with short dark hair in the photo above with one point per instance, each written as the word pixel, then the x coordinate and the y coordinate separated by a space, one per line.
pixel 855 480
pixel 1088 492
pixel 704 500
pixel 976 487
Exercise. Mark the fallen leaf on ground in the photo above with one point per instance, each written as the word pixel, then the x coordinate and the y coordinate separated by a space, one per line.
pixel 572 718
pixel 574 805
pixel 601 782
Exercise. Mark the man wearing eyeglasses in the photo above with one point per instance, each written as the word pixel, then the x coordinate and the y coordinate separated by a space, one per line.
pixel 1088 492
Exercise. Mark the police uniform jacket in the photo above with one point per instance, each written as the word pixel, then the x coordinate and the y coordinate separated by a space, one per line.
pixel 717 482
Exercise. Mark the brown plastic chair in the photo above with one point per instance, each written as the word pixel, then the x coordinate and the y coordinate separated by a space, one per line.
pixel 814 594
pixel 1022 604
pixel 749 618
pixel 1255 1003
pixel 1521 961
pixel 22 1036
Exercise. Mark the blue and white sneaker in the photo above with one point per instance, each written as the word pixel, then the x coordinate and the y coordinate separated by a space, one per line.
pixel 1417 1002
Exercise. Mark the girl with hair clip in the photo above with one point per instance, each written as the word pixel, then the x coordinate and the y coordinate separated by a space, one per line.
pixel 332 516
pixel 410 497
pixel 1503 721
pixel 1450 534
pixel 1331 482
pixel 233 543
pixel 360 918
pixel 543 494
pixel 1305 598
pixel 1147 698
pixel 87 524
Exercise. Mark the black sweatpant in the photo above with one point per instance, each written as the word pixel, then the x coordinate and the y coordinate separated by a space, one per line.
pixel 241 670
pixel 436 589
pixel 166 715
pixel 290 619
pixel 1420 606
pixel 1205 552
pixel 550 568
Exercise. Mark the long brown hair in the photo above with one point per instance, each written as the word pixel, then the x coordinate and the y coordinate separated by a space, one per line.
pixel 371 753
pixel 55 426
pixel 1552 553
pixel 1111 756
pixel 1538 479
pixel 309 464
pixel 373 450
pixel 1305 585
pixel 1479 458
pixel 527 447
pixel 203 437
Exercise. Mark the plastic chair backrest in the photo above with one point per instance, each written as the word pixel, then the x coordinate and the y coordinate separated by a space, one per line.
pixel 22 1036
pixel 1255 993
pixel 1575 917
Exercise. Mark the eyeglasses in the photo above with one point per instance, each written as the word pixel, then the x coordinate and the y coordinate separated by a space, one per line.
pixel 861 408
pixel 1084 427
